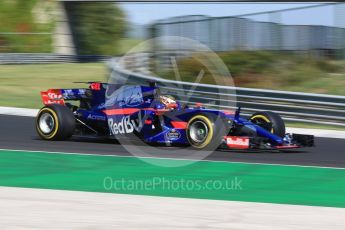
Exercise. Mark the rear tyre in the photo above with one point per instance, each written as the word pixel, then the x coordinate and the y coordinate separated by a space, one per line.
pixel 205 132
pixel 270 121
pixel 55 122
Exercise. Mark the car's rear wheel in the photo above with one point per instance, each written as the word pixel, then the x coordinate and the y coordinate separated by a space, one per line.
pixel 201 133
pixel 270 121
pixel 55 122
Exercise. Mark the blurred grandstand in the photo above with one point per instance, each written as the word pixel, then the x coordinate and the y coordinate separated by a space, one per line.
pixel 265 30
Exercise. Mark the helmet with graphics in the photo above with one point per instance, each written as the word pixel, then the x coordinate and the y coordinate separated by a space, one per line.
pixel 168 101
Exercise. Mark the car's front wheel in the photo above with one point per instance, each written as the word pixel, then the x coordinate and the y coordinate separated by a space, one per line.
pixel 270 121
pixel 55 122
pixel 201 132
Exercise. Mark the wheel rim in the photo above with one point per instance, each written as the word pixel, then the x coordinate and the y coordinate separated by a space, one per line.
pixel 46 123
pixel 198 131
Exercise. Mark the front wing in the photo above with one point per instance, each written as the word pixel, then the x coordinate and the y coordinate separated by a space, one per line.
pixel 246 142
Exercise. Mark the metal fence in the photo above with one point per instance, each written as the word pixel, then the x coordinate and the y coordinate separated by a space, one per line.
pixel 292 106
pixel 294 29
pixel 45 58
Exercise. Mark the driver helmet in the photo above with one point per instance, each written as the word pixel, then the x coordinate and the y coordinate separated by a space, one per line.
pixel 168 101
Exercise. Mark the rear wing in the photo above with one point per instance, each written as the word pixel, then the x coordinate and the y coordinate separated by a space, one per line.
pixel 52 96
pixel 59 96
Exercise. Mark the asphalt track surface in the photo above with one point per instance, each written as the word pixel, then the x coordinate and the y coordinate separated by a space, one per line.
pixel 17 132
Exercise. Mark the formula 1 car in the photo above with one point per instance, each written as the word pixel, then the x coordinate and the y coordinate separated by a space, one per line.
pixel 143 112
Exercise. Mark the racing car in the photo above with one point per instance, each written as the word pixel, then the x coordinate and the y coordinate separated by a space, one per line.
pixel 142 111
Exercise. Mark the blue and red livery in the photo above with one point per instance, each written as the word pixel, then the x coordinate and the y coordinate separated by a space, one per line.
pixel 136 111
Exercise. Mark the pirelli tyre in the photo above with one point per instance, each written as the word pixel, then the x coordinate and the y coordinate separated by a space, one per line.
pixel 269 121
pixel 205 131
pixel 55 122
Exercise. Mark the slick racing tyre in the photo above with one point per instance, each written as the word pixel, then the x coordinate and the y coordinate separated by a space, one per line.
pixel 55 122
pixel 270 121
pixel 206 132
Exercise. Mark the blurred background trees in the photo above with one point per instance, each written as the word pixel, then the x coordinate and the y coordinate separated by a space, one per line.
pixel 26 25
pixel 97 27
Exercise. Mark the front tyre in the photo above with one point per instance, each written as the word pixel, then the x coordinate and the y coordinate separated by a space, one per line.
pixel 201 133
pixel 55 122
pixel 270 121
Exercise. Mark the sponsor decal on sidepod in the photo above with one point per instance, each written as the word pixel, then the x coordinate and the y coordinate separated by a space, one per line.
pixel 96 117
pixel 124 126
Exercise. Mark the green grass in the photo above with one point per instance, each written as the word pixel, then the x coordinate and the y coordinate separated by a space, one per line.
pixel 20 85
pixel 327 83
pixel 202 180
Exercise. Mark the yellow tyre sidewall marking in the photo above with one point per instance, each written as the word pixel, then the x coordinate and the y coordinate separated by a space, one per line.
pixel 56 128
pixel 210 126
pixel 263 118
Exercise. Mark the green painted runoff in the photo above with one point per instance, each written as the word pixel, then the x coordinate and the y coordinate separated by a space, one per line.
pixel 203 179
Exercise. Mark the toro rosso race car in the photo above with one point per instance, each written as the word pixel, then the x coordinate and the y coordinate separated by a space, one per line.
pixel 143 112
